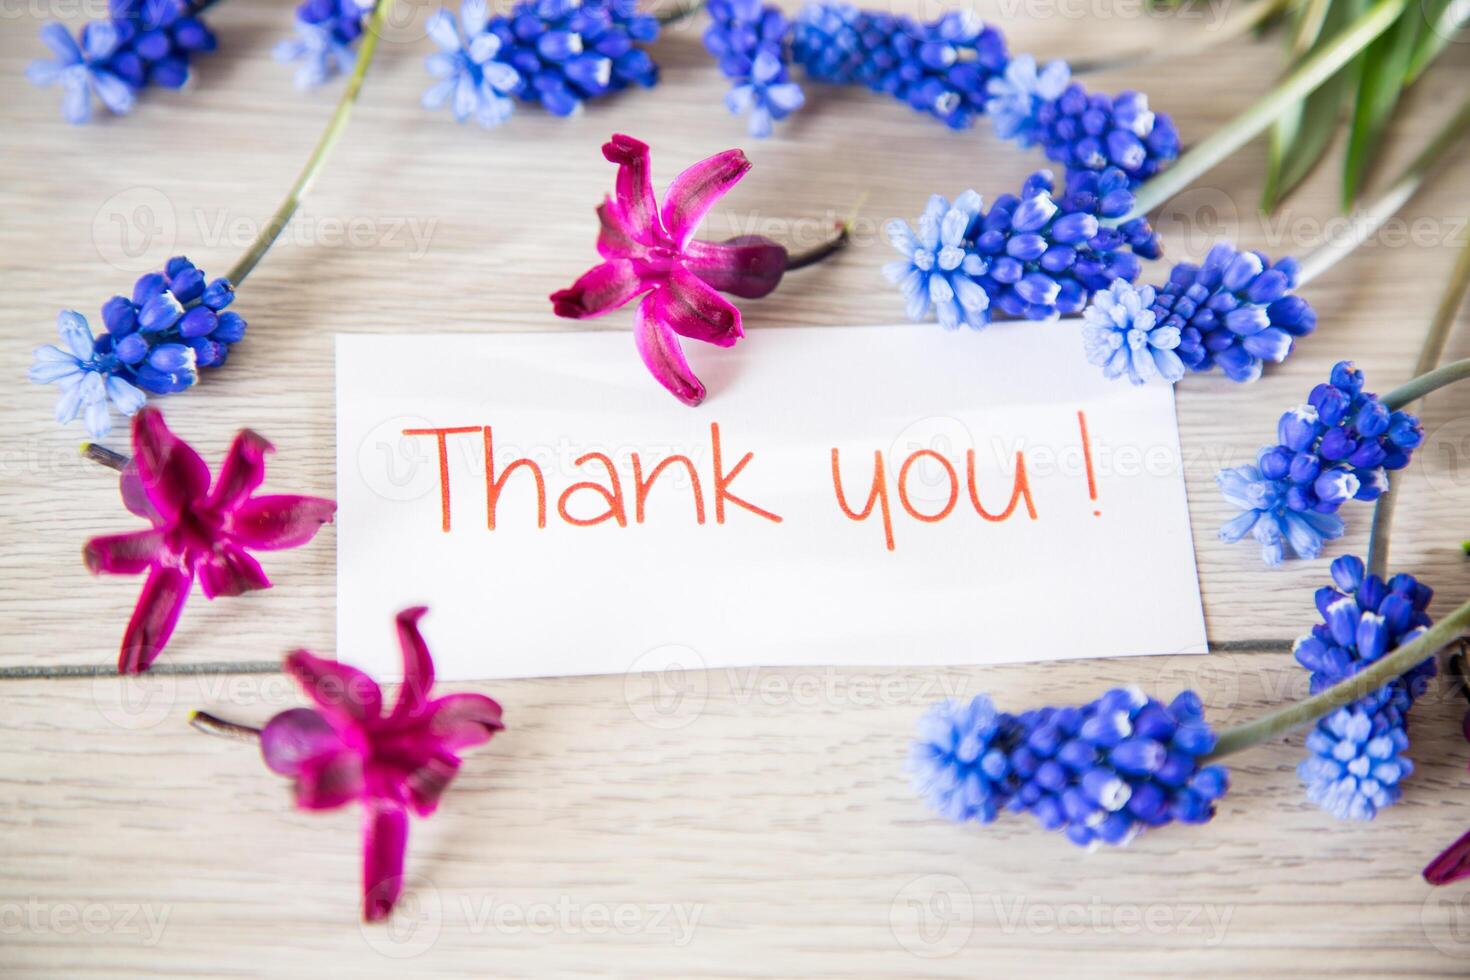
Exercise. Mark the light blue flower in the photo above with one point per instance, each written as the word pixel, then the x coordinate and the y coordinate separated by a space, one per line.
pixel 1357 762
pixel 85 377
pixel 1268 514
pixel 1015 96
pixel 321 53
pixel 939 265
pixel 769 95
pixel 82 70
pixel 470 79
pixel 1122 335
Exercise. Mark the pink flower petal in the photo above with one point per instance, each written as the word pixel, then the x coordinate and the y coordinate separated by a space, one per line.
pixel 275 521
pixel 635 205
pixel 384 839
pixel 344 693
pixel 229 570
pixel 418 666
pixel 460 721
pixel 692 309
pixel 328 781
pixel 658 345
pixel 601 289
pixel 428 782
pixel 749 266
pixel 134 497
pixel 123 554
pixel 1452 865
pixel 171 472
pixel 295 737
pixel 696 190
pixel 243 470
pixel 154 618
pixel 614 240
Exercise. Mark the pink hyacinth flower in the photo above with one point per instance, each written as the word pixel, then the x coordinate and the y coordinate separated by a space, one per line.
pixel 348 748
pixel 648 249
pixel 197 531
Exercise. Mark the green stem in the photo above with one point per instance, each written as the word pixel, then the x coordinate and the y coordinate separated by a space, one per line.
pixel 338 124
pixel 1412 391
pixel 1360 685
pixel 1370 219
pixel 1250 123
pixel 1238 24
pixel 1429 355
pixel 825 250
pixel 667 17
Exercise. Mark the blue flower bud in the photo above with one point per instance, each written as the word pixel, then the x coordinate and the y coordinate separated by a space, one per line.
pixel 198 322
pixel 160 312
pixel 119 316
pixel 1138 756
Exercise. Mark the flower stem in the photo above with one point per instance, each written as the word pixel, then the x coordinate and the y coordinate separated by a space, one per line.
pixel 210 725
pixel 1358 686
pixel 333 133
pixel 1426 381
pixel 1243 128
pixel 823 251
pixel 667 17
pixel 1371 218
pixel 105 456
pixel 1238 24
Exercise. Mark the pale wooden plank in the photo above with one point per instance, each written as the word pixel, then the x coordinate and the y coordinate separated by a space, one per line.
pixel 784 817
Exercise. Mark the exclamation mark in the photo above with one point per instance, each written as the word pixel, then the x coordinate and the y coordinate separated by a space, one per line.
pixel 1087 459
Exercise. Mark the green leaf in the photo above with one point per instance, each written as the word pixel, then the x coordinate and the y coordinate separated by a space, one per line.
pixel 1442 18
pixel 1301 137
pixel 1385 64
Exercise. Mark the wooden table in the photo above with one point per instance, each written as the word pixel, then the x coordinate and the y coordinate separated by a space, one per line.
pixel 769 831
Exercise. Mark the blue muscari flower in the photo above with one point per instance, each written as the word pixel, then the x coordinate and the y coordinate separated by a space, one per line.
pixel 940 268
pixel 1357 762
pixel 1016 96
pixel 557 53
pixel 940 67
pixel 1336 447
pixel 470 78
pixel 156 340
pixel 87 377
pixel 959 763
pixel 140 43
pixel 1123 763
pixel 83 70
pixel 326 31
pixel 1033 256
pixel 1099 773
pixel 1123 336
pixel 1235 311
pixel 573 50
pixel 752 43
pixel 1079 130
pixel 160 37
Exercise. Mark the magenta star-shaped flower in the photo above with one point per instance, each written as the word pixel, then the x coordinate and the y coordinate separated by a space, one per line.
pixel 197 531
pixel 348 748
pixel 651 250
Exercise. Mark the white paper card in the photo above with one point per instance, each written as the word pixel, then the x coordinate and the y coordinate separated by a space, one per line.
pixel 1035 510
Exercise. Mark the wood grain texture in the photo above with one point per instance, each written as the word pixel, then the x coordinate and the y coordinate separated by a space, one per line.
pixel 742 823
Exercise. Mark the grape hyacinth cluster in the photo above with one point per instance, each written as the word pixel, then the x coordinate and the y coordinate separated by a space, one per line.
pixel 140 43
pixel 326 31
pixel 155 341
pixel 941 67
pixel 1336 447
pixel 752 43
pixel 1356 764
pixel 1099 773
pixel 1032 256
pixel 1234 311
pixel 1079 130
pixel 557 53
